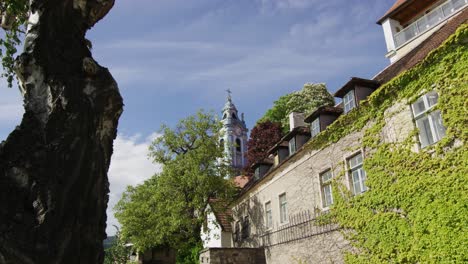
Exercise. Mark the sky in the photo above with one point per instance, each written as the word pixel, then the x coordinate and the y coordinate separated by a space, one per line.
pixel 173 57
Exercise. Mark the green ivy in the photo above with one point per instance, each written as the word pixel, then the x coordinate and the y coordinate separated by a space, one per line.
pixel 416 208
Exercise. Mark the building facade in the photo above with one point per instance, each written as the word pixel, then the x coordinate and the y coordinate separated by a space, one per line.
pixel 283 209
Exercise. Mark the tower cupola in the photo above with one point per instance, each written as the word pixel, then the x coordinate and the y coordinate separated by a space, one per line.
pixel 235 134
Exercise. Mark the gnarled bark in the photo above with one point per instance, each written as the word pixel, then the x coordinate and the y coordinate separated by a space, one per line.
pixel 53 167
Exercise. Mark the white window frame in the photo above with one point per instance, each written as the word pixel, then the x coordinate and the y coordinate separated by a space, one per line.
pixel 315 127
pixel 433 118
pixel 356 169
pixel 268 216
pixel 326 184
pixel 283 213
pixel 349 101
pixel 292 146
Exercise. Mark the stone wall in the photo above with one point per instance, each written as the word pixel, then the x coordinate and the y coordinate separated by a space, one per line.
pixel 232 256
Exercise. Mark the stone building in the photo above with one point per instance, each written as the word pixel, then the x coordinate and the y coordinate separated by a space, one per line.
pixel 280 211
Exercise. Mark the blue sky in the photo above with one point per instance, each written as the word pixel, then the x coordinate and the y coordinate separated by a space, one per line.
pixel 172 57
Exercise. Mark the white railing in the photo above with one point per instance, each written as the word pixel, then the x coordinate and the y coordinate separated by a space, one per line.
pixel 429 20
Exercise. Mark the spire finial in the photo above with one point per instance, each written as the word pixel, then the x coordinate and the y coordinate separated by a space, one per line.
pixel 229 94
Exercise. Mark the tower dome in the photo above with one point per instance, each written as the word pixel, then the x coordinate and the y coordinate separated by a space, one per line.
pixel 234 134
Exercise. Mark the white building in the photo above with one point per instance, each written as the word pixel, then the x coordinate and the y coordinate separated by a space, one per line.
pixel 409 22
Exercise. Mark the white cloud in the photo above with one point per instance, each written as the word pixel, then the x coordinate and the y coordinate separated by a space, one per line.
pixel 129 166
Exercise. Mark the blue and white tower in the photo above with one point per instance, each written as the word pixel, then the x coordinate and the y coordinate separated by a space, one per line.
pixel 235 134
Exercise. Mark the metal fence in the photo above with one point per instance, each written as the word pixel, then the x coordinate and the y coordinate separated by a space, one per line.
pixel 300 226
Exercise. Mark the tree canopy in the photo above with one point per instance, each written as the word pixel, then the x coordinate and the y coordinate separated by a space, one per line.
pixel 13 16
pixel 262 137
pixel 305 101
pixel 169 208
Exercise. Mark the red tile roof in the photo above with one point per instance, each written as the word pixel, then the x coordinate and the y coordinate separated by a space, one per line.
pixel 222 213
pixel 241 181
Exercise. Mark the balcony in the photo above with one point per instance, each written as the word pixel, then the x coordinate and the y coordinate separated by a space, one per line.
pixel 429 20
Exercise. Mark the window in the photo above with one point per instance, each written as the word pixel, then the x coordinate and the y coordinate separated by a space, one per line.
pixel 257 173
pixel 428 122
pixel 246 227
pixel 292 146
pixel 283 208
pixel 325 183
pixel 238 145
pixel 358 175
pixel 234 116
pixel 348 101
pixel 237 230
pixel 268 216
pixel 315 127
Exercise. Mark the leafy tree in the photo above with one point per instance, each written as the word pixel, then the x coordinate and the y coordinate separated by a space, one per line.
pixel 169 208
pixel 305 101
pixel 118 252
pixel 53 166
pixel 262 138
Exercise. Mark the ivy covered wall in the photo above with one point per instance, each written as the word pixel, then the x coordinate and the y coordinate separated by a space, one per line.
pixel 415 210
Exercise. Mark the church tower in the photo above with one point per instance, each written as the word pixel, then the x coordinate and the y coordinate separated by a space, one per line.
pixel 235 134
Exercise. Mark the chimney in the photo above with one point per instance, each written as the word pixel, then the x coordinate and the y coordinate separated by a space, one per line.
pixel 296 120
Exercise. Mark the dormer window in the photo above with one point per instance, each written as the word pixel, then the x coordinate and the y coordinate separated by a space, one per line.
pixel 349 102
pixel 315 127
pixel 292 146
pixel 257 173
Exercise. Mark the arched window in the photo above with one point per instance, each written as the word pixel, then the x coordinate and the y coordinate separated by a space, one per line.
pixel 221 143
pixel 238 145
pixel 234 116
pixel 224 116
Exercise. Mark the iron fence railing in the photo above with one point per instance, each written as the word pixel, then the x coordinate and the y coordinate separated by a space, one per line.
pixel 300 226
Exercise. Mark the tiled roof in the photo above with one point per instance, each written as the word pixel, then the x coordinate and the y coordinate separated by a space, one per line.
pixel 280 144
pixel 301 130
pixel 265 161
pixel 422 50
pixel 222 213
pixel 333 110
pixel 353 82
pixel 241 181
pixel 395 7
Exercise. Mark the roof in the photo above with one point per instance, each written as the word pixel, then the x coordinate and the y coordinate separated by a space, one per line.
pixel 422 50
pixel 300 130
pixel 405 11
pixel 353 82
pixel 398 5
pixel 241 180
pixel 331 110
pixel 265 161
pixel 222 213
pixel 280 144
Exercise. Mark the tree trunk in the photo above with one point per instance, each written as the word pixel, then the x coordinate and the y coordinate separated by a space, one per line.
pixel 53 167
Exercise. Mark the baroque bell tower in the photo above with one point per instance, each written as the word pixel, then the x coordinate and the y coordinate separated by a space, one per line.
pixel 235 134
